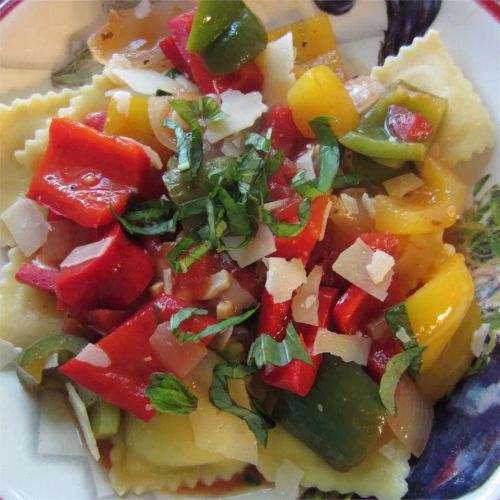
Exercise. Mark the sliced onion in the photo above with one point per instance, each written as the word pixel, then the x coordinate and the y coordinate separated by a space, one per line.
pixel 348 347
pixel 176 358
pixel 87 252
pixel 364 92
pixel 146 81
pixel 413 423
pixel 27 225
pixel 305 303
pixel 94 355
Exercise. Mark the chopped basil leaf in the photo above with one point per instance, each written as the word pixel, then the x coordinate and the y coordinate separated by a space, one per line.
pixel 187 312
pixel 168 394
pixel 266 350
pixel 329 155
pixel 149 211
pixel 398 322
pixel 236 213
pixel 189 111
pixel 162 93
pixel 286 229
pixel 396 367
pixel 210 110
pixel 219 396
pixel 173 73
pixel 259 142
pixel 350 180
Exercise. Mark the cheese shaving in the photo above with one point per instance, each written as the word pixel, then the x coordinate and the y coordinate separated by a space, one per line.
pixel 369 204
pixel 305 303
pixel 380 265
pixel 284 277
pixel 145 81
pixel 305 163
pixel 350 204
pixel 287 481
pixel 82 254
pixel 94 355
pixel 348 347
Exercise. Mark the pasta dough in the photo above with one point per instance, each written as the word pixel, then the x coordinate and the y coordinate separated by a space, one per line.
pixel 466 128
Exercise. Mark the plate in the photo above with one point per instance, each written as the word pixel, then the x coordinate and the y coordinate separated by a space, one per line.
pixel 464 450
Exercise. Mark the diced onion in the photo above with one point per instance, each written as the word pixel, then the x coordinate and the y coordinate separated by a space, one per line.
pixel 348 347
pixel 478 339
pixel 350 204
pixel 403 184
pixel 260 246
pixel 238 296
pixel 8 353
pixel 284 277
pixel 276 62
pixel 273 205
pixel 94 355
pixel 83 419
pixel 217 283
pixel 413 422
pixel 287 480
pixel 305 162
pixel 233 146
pixel 146 81
pixel 27 225
pixel 242 110
pixel 220 341
pixel 364 92
pixel 176 358
pixel 351 265
pixel 380 265
pixel 168 285
pixel 87 252
pixel 305 303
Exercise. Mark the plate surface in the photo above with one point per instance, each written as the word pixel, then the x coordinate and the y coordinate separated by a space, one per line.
pixel 464 450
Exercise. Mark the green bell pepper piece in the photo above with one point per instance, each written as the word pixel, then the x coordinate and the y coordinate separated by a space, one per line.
pixel 371 138
pixel 341 418
pixel 33 358
pixel 104 419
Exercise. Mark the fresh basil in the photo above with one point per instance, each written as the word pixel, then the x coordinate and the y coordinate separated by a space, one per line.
pixel 219 396
pixel 150 211
pixel 259 142
pixel 266 350
pixel 162 93
pixel 173 73
pixel 350 180
pixel 287 229
pixel 329 157
pixel 168 394
pixel 398 322
pixel 210 110
pixel 396 367
pixel 188 312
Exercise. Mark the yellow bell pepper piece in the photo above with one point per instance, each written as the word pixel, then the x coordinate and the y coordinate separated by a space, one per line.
pixel 320 92
pixel 437 309
pixel 134 124
pixel 441 201
pixel 455 360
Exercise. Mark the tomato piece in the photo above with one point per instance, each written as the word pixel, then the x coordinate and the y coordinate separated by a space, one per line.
pixel 285 134
pixel 96 120
pixel 408 125
pixel 301 246
pixel 38 277
pixel 84 172
pixel 132 359
pixel 112 280
pixel 284 175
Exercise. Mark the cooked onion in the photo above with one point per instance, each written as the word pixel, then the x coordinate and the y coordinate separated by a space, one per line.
pixel 94 355
pixel 64 235
pixel 87 252
pixel 413 422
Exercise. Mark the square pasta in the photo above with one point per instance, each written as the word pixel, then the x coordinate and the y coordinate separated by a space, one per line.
pixel 466 128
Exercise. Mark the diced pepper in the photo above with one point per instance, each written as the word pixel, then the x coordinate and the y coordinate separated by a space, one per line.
pixel 371 137
pixel 169 48
pixel 455 360
pixel 84 172
pixel 273 317
pixel 437 309
pixel 341 418
pixel 301 246
pixel 319 92
pixel 285 134
pixel 112 280
pixel 386 242
pixel 96 120
pixel 132 358
pixel 443 201
pixel 227 34
pixel 408 125
pixel 42 278
pixel 105 320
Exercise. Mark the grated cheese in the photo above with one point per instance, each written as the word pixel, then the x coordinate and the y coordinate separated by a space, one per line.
pixel 402 335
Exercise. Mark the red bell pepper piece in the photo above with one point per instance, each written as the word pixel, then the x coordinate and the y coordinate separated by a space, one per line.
pixel 301 246
pixel 39 277
pixel 245 79
pixel 285 134
pixel 96 120
pixel 408 125
pixel 132 358
pixel 113 280
pixel 379 356
pixel 387 242
pixel 273 316
pixel 289 211
pixel 168 47
pixel 105 320
pixel 297 376
pixel 84 172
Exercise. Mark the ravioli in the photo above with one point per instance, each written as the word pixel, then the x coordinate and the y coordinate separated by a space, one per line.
pixel 466 128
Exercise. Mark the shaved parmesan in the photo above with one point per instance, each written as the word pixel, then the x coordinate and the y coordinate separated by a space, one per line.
pixel 261 245
pixel 348 347
pixel 233 146
pixel 287 480
pixel 350 204
pixel 369 204
pixel 8 353
pixel 305 162
pixel 305 303
pixel 168 286
pixel 276 62
pixel 217 283
pixel 380 265
pixel 284 277
pixel 27 225
pixel 238 296
pixel 82 254
pixel 143 9
pixel 352 264
pixel 146 81
pixel 83 419
pixel 94 355
pixel 242 110
pixel 122 99
pixel 403 184
pixel 478 339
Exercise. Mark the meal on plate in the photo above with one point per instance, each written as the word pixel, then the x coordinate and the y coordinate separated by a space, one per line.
pixel 235 261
